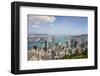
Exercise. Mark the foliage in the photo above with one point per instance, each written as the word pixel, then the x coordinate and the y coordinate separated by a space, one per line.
pixel 77 56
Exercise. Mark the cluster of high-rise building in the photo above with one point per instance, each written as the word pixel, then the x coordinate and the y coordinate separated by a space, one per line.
pixel 58 50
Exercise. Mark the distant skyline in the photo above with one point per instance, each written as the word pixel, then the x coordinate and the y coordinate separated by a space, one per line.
pixel 57 25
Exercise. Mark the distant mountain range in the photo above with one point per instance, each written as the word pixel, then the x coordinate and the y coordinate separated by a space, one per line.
pixel 83 36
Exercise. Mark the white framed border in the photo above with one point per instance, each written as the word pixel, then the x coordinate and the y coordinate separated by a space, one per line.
pixel 24 64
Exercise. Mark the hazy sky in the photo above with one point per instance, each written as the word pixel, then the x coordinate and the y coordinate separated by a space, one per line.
pixel 59 25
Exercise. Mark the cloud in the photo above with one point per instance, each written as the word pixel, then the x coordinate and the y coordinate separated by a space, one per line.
pixel 38 20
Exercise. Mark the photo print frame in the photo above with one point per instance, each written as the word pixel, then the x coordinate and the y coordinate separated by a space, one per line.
pixel 52 37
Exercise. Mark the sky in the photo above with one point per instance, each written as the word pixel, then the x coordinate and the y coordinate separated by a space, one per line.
pixel 57 25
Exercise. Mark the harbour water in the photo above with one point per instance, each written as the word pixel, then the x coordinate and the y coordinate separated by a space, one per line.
pixel 57 39
pixel 60 39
